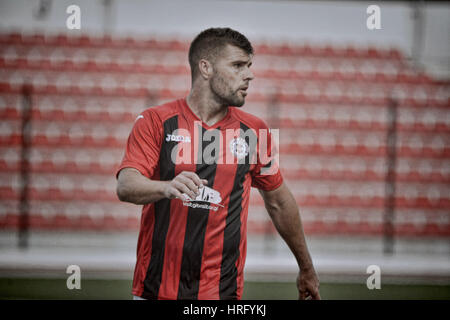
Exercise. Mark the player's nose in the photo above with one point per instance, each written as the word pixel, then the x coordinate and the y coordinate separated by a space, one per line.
pixel 249 75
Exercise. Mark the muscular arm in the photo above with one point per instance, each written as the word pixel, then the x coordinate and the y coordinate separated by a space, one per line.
pixel 283 211
pixel 134 187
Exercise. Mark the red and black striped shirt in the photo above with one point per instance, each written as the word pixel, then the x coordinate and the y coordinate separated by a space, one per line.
pixel 196 249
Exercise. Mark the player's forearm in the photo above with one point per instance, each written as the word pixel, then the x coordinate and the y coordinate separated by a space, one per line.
pixel 287 221
pixel 135 188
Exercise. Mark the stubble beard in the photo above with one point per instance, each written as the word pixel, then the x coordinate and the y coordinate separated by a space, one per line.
pixel 224 94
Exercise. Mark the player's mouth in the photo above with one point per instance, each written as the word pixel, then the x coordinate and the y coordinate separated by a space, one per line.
pixel 243 90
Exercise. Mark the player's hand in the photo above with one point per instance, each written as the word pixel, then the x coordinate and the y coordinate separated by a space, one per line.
pixel 186 182
pixel 308 284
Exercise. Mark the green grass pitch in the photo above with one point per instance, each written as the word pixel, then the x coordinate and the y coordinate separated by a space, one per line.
pixel 38 288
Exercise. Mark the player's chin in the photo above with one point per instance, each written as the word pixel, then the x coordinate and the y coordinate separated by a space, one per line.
pixel 239 101
pixel 239 104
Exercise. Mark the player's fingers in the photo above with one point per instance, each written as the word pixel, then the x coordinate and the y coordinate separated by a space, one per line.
pixel 173 192
pixel 302 295
pixel 315 295
pixel 195 178
pixel 176 194
pixel 189 183
pixel 184 189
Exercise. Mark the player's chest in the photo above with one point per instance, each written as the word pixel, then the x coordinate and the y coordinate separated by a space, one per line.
pixel 223 150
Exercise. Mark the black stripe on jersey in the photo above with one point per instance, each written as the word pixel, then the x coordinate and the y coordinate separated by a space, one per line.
pixel 232 232
pixel 197 221
pixel 152 280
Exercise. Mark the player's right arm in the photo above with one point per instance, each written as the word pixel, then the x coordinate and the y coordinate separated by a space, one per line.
pixel 134 187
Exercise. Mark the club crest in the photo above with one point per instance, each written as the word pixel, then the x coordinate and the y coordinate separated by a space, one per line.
pixel 239 147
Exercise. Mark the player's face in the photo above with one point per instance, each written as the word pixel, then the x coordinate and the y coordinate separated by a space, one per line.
pixel 232 76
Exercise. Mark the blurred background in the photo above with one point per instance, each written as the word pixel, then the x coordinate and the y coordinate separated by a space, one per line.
pixel 364 139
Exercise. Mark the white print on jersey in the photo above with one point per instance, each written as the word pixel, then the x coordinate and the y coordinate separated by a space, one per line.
pixel 178 138
pixel 206 195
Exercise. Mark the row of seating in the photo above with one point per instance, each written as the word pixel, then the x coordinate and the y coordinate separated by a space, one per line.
pixel 431 122
pixel 357 94
pixel 98 211
pixel 64 186
pixel 297 70
pixel 343 127
pixel 367 117
pixel 349 221
pixel 10 156
pixel 106 160
pixel 277 49
pixel 56 132
pixel 297 147
pixel 321 135
pixel 123 57
pixel 307 83
pixel 106 167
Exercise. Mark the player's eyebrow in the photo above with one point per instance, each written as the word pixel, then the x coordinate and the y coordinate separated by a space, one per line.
pixel 248 61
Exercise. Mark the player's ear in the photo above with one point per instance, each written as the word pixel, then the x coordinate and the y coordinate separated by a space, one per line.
pixel 206 69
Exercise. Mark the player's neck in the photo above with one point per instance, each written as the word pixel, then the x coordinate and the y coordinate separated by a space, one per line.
pixel 205 108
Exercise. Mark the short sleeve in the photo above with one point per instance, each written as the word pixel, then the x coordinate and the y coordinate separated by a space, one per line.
pixel 143 145
pixel 266 174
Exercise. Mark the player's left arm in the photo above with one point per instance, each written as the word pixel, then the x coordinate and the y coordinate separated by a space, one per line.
pixel 283 210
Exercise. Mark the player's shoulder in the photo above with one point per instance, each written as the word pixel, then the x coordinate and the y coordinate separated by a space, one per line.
pixel 250 120
pixel 160 112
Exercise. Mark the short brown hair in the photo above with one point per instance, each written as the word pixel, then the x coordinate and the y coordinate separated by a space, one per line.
pixel 208 43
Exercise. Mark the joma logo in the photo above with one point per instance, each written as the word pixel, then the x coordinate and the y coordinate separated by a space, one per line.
pixel 178 138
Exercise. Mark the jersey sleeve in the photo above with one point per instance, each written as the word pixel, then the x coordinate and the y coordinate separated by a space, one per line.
pixel 266 174
pixel 143 145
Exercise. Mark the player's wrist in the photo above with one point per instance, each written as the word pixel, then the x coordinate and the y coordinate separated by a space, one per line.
pixel 306 266
pixel 164 189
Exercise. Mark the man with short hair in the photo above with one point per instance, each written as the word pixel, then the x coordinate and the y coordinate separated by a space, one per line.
pixel 191 163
